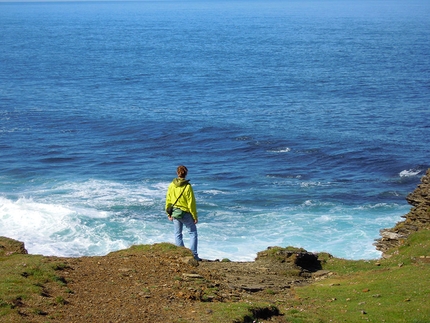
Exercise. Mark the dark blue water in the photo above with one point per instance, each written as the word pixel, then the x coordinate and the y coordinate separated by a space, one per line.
pixel 302 123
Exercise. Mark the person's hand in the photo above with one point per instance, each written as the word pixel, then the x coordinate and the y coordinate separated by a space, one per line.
pixel 170 218
pixel 195 221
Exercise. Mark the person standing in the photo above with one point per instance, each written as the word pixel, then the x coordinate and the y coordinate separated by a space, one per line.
pixel 180 195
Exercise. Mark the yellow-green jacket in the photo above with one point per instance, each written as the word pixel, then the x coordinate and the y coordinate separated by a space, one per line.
pixel 187 201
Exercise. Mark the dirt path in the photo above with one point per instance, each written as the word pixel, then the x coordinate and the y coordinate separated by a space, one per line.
pixel 131 286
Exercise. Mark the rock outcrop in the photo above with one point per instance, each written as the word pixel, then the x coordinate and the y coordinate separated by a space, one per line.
pixel 276 269
pixel 9 247
pixel 417 219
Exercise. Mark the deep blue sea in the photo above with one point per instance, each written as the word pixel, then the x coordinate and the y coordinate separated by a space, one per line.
pixel 302 122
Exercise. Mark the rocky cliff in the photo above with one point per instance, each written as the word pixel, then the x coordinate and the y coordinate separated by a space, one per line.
pixel 417 219
pixel 163 283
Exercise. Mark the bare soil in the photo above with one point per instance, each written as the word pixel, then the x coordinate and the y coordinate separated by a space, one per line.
pixel 136 286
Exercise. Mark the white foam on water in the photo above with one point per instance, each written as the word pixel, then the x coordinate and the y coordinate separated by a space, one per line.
pixel 409 173
pixel 346 232
pixel 35 223
pixel 280 150
pixel 53 229
pixel 106 193
pixel 96 217
pixel 75 219
pixel 213 192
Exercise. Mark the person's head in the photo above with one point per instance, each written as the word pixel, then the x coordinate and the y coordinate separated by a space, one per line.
pixel 182 171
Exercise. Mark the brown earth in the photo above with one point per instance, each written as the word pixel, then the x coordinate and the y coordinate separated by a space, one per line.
pixel 163 283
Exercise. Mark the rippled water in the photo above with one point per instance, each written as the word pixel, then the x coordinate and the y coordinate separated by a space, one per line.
pixel 302 123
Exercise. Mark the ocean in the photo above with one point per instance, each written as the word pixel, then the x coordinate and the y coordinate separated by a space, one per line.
pixel 302 123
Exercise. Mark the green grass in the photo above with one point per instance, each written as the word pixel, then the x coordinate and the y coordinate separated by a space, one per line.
pixel 23 279
pixel 393 290
pixel 162 248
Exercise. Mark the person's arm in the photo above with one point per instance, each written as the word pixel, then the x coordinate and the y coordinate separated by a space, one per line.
pixel 168 202
pixel 192 204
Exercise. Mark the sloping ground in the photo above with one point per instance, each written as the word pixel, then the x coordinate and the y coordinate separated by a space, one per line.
pixel 163 283
pixel 160 286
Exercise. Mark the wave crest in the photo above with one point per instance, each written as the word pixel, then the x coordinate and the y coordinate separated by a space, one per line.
pixel 409 173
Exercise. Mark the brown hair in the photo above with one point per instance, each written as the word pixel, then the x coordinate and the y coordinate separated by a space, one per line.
pixel 182 171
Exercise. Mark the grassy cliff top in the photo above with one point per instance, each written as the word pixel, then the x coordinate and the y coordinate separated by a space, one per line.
pixel 163 283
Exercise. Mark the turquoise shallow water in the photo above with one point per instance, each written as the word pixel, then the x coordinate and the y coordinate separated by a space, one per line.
pixel 302 123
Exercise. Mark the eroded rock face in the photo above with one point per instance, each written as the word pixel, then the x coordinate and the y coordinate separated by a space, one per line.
pixel 9 247
pixel 417 219
pixel 292 256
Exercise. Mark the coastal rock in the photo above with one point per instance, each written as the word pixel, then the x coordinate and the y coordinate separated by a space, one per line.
pixel 190 261
pixel 322 274
pixel 9 247
pixel 390 235
pixel 417 219
pixel 297 257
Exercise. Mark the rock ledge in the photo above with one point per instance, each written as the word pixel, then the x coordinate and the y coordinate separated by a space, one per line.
pixel 417 219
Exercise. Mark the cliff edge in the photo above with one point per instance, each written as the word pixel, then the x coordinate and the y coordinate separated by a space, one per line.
pixel 417 219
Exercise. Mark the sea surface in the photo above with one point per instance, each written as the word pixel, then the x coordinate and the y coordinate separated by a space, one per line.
pixel 302 123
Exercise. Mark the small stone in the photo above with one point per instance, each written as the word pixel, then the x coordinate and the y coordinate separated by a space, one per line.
pixel 194 276
pixel 390 235
pixel 190 261
pixel 145 295
pixel 125 269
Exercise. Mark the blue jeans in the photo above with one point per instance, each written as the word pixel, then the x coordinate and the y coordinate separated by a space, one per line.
pixel 188 221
